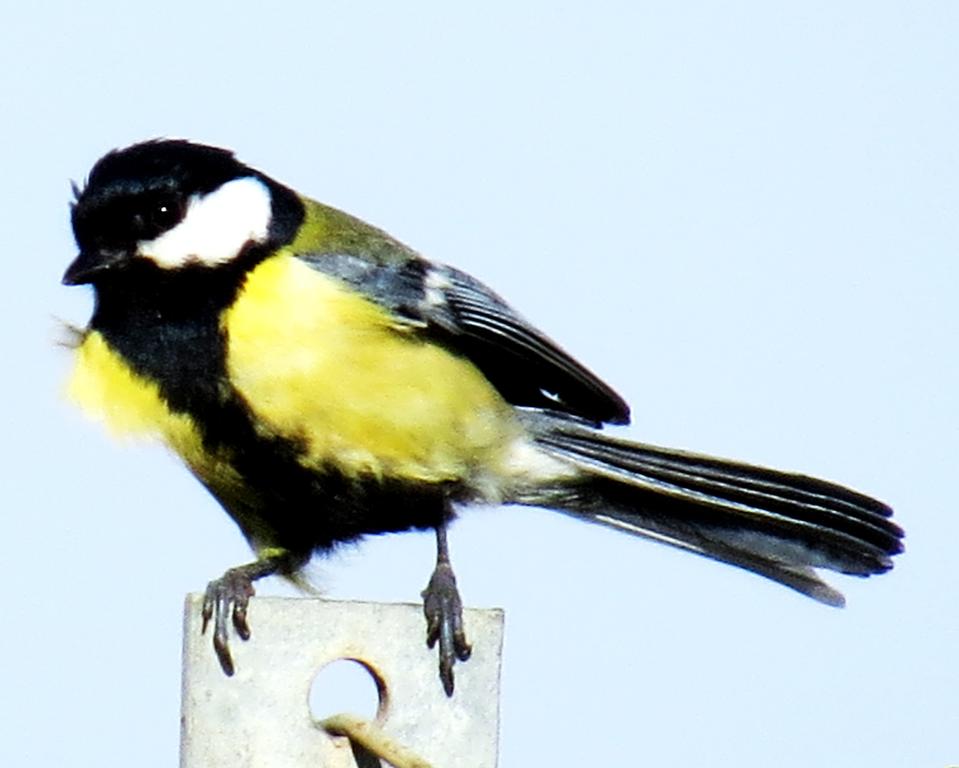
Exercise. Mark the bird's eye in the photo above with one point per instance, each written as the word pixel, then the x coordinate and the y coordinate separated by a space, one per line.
pixel 165 213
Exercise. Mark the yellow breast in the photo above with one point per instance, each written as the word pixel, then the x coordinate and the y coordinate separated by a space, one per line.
pixel 108 389
pixel 318 362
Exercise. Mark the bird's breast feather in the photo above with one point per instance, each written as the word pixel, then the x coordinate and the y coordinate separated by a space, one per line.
pixel 318 362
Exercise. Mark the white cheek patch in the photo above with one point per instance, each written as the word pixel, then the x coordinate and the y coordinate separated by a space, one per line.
pixel 216 226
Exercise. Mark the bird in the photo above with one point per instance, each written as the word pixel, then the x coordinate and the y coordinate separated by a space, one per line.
pixel 325 382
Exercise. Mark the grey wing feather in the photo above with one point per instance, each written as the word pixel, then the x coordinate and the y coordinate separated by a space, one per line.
pixel 527 367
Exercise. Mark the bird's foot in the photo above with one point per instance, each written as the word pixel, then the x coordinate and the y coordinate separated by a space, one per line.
pixel 227 598
pixel 444 622
pixel 226 601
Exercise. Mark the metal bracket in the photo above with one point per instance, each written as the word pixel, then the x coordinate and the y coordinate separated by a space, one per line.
pixel 261 716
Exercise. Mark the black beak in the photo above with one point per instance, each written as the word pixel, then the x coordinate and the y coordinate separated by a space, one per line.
pixel 91 264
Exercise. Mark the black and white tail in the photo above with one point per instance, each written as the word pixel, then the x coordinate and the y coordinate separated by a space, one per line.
pixel 777 524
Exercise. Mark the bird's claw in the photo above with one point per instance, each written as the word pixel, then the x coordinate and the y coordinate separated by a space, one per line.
pixel 443 609
pixel 226 601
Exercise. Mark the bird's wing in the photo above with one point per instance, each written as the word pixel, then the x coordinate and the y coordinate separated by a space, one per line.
pixel 457 310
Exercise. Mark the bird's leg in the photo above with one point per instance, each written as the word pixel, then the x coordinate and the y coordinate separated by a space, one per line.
pixel 228 597
pixel 444 613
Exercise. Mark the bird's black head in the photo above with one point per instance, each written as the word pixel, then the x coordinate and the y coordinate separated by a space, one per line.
pixel 168 204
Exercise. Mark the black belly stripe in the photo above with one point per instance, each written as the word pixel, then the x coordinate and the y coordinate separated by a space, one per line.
pixel 166 326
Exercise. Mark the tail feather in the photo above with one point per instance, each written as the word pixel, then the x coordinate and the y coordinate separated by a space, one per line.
pixel 798 577
pixel 777 524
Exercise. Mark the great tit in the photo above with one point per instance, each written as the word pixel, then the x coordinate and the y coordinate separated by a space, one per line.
pixel 324 382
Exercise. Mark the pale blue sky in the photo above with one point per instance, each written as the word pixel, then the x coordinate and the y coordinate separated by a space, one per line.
pixel 743 215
